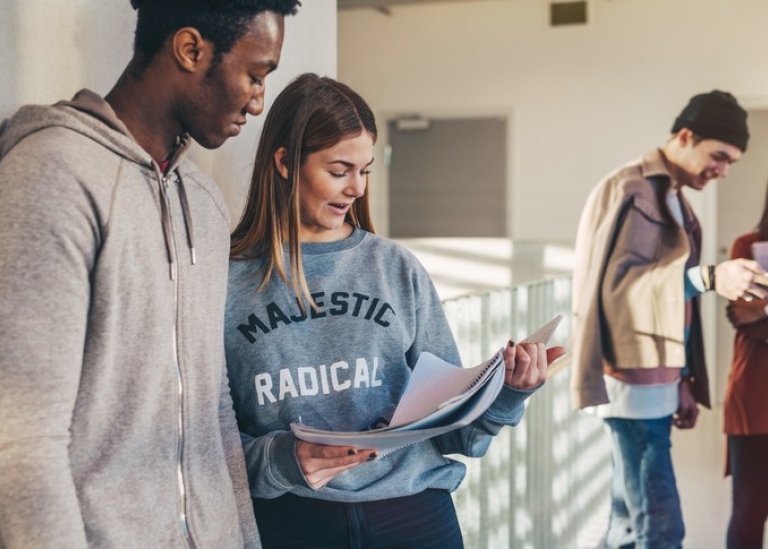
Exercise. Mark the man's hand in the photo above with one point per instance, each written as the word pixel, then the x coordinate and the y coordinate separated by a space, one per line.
pixel 687 409
pixel 527 364
pixel 743 312
pixel 741 279
pixel 321 463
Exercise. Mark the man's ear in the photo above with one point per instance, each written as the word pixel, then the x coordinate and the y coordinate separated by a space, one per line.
pixel 685 137
pixel 190 51
pixel 280 165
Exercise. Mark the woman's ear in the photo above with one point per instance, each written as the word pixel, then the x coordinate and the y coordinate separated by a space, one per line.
pixel 279 159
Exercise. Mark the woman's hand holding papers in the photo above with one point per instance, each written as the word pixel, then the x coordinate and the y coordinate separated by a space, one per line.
pixel 321 463
pixel 527 364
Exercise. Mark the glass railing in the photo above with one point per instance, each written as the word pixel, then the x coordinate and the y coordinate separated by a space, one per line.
pixel 543 484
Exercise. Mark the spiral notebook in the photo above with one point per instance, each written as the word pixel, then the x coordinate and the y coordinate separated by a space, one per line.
pixel 439 398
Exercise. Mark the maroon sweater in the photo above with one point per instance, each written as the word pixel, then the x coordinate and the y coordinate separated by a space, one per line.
pixel 746 407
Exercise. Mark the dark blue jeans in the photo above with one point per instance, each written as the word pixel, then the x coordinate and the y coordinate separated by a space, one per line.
pixel 425 520
pixel 645 506
pixel 748 458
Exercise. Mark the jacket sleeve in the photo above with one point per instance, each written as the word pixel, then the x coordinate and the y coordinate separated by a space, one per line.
pixel 755 330
pixel 50 236
pixel 600 221
pixel 233 451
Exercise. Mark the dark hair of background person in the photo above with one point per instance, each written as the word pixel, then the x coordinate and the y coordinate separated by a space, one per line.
pixel 311 114
pixel 223 22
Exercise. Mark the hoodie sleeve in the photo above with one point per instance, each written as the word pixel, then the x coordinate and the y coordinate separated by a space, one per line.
pixel 233 451
pixel 50 232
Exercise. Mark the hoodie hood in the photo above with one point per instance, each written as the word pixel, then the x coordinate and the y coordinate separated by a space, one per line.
pixel 86 113
pixel 90 115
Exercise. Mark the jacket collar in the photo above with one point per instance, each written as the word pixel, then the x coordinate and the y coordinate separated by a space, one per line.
pixel 654 168
pixel 653 165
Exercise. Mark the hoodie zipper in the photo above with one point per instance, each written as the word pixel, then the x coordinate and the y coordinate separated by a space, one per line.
pixel 182 493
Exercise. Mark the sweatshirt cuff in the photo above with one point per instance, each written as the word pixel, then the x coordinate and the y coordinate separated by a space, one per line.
pixel 284 466
pixel 509 406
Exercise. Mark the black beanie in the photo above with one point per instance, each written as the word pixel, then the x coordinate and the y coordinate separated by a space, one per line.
pixel 715 115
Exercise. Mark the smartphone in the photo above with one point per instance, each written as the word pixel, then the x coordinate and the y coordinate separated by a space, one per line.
pixel 760 253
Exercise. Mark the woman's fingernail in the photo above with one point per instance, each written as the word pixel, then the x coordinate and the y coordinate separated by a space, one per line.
pixel 511 343
pixel 351 451
pixel 372 456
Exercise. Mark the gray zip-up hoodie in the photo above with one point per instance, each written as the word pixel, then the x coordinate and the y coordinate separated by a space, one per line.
pixel 116 423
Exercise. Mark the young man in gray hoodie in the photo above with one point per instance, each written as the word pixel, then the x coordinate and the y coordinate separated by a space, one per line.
pixel 116 424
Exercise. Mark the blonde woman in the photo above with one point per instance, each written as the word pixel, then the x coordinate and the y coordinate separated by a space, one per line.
pixel 324 322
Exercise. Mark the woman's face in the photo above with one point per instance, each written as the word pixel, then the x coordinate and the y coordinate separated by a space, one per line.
pixel 329 182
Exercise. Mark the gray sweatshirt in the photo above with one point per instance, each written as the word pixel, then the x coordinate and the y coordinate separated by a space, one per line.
pixel 343 367
pixel 116 424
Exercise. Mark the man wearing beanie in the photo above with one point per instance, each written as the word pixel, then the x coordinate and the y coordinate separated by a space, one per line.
pixel 638 351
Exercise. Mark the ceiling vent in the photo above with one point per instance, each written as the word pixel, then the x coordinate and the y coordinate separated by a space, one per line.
pixel 567 13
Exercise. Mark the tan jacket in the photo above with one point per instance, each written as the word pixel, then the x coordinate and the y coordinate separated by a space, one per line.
pixel 628 282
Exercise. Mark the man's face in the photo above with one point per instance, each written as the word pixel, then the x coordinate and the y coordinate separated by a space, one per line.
pixel 230 91
pixel 702 161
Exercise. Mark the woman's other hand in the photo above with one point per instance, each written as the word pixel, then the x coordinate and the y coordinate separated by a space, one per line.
pixel 527 364
pixel 321 463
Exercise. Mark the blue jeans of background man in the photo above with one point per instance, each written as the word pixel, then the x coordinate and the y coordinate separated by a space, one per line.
pixel 645 505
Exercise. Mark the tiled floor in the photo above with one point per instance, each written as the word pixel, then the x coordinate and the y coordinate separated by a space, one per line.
pixel 699 456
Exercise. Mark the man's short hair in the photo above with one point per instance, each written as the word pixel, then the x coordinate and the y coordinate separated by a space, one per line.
pixel 223 22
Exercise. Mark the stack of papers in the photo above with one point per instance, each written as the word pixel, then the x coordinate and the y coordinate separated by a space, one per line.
pixel 440 397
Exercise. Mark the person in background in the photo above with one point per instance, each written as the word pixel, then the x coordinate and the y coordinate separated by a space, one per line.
pixel 746 408
pixel 314 294
pixel 638 350
pixel 116 424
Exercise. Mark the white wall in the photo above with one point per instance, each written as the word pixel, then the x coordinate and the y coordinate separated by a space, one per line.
pixel 49 50
pixel 583 99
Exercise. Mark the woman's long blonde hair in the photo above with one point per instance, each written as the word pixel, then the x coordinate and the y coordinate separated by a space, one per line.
pixel 311 114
